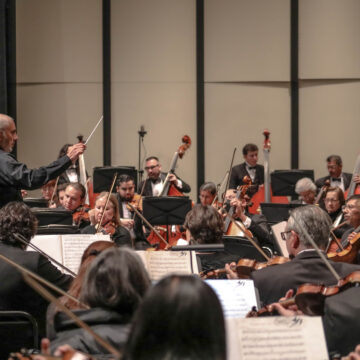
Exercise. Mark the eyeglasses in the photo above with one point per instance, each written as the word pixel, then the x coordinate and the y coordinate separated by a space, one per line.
pixel 284 234
pixel 147 168
pixel 350 207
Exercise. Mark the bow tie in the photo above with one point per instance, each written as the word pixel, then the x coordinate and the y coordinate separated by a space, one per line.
pixel 336 179
pixel 251 167
pixel 156 181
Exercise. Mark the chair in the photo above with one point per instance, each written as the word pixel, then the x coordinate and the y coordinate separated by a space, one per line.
pixel 18 329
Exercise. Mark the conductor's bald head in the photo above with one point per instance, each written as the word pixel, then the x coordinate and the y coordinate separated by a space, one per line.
pixel 8 134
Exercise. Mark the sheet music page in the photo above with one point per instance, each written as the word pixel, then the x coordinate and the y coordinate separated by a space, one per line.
pixel 277 229
pixel 237 297
pixel 162 263
pixel 73 247
pixel 50 244
pixel 276 338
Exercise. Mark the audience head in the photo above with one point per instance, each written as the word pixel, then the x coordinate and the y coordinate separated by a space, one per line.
pixel 207 193
pixel 180 318
pixel 74 196
pixel 311 219
pixel 112 209
pixel 205 225
pixel 334 199
pixel 17 218
pixel 250 153
pixel 334 165
pixel 8 133
pixel 306 188
pixel 116 280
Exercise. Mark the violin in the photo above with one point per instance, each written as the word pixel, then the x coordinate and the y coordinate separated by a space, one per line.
pixel 322 192
pixel 310 298
pixel 245 267
pixel 136 202
pixel 349 252
pixel 81 215
pixel 108 228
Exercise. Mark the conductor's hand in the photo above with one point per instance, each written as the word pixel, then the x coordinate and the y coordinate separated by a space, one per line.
pixel 75 150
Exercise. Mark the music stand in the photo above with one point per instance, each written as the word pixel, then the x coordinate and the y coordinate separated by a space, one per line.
pixel 103 176
pixel 283 181
pixel 166 210
pixel 48 216
pixel 276 213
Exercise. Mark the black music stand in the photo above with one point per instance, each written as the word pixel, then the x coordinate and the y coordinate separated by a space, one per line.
pixel 48 216
pixel 103 176
pixel 283 181
pixel 166 210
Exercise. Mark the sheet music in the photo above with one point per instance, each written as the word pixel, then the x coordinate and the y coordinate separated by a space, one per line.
pixel 73 247
pixel 276 338
pixel 50 244
pixel 162 263
pixel 237 297
pixel 277 229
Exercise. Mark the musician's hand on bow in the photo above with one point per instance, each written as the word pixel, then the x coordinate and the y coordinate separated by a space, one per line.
pixel 292 310
pixel 74 151
pixel 354 355
pixel 230 273
pixel 356 179
pixel 173 179
pixel 351 236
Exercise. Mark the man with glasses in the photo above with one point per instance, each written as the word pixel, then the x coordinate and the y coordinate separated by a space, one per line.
pixel 306 265
pixel 155 179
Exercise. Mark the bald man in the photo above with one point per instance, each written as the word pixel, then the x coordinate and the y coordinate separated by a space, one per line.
pixel 15 176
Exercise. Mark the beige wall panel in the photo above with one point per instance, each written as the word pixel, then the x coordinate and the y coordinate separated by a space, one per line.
pixel 329 45
pixel 247 40
pixel 49 116
pixel 238 114
pixel 167 111
pixel 329 124
pixel 59 40
pixel 153 40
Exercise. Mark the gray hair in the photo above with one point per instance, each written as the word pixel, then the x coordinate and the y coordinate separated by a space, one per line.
pixel 304 184
pixel 4 121
pixel 315 221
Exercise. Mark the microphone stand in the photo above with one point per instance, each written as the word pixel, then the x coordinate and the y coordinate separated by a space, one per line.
pixel 142 134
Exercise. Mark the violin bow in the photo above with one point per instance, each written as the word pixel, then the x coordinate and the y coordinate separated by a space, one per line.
pixel 21 238
pixel 320 253
pixel 54 191
pixel 41 280
pixel 106 203
pixel 48 296
pixel 148 224
pixel 219 186
pixel 141 193
pixel 230 171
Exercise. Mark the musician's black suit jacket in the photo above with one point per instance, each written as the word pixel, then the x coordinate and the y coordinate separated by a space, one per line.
pixel 346 178
pixel 307 267
pixel 239 171
pixel 148 188
pixel 15 294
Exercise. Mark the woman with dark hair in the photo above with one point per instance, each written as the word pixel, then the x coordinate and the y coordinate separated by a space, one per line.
pixel 180 318
pixel 15 294
pixel 110 223
pixel 113 288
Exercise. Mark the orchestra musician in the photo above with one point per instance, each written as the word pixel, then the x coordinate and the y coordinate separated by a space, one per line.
pixel 249 167
pixel 47 191
pixel 207 193
pixel 306 265
pixel 15 294
pixel 155 179
pixel 110 223
pixel 126 194
pixel 306 190
pixel 336 176
pixel 15 176
pixel 74 201
pixel 352 216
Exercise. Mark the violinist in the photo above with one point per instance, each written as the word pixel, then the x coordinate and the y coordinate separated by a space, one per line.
pixel 126 194
pixel 47 191
pixel 15 176
pixel 207 193
pixel 256 223
pixel 74 201
pixel 336 176
pixel 155 179
pixel 110 220
pixel 352 215
pixel 306 190
pixel 306 265
pixel 15 294
pixel 249 167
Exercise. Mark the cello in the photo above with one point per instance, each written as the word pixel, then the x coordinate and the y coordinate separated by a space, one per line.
pixel 264 193
pixel 354 188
